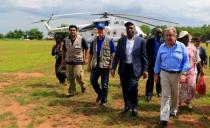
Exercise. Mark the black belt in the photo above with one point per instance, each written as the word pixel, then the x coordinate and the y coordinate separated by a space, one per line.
pixel 175 72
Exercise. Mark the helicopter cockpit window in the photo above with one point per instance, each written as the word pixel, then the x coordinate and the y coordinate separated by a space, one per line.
pixel 114 33
pixel 116 22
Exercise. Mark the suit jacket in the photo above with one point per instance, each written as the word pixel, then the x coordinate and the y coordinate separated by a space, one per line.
pixel 150 52
pixel 139 56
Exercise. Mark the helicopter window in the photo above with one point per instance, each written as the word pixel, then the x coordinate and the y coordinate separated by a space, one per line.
pixel 108 33
pixel 92 34
pixel 115 33
pixel 116 22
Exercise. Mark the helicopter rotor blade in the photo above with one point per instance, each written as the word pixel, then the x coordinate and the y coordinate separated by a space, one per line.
pixel 146 18
pixel 136 20
pixel 105 14
pixel 38 21
pixel 71 14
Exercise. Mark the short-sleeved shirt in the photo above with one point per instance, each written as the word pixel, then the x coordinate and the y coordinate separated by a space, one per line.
pixel 84 44
pixel 84 47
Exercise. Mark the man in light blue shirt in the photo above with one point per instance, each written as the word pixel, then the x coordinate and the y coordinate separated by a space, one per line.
pixel 171 60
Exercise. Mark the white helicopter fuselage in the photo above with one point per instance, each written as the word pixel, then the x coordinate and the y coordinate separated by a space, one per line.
pixel 114 29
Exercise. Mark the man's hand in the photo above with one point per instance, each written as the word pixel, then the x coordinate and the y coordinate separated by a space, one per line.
pixel 113 72
pixel 62 64
pixel 156 78
pixel 145 75
pixel 202 73
pixel 86 61
pixel 110 67
pixel 88 68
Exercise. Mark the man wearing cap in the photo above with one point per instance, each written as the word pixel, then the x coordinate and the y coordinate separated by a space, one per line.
pixel 171 60
pixel 132 58
pixel 74 47
pixel 101 54
pixel 152 46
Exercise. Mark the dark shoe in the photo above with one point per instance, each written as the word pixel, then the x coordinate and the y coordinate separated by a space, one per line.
pixel 98 99
pixel 126 109
pixel 148 98
pixel 173 114
pixel 163 123
pixel 70 95
pixel 63 83
pixel 158 95
pixel 134 112
pixel 83 89
pixel 103 104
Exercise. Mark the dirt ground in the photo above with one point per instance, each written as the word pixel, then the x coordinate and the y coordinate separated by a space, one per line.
pixel 20 113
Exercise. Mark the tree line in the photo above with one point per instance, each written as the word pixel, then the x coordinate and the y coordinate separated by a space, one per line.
pixel 31 34
pixel 200 32
pixel 197 32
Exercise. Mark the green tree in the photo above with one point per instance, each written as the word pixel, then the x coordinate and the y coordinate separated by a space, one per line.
pixel 1 36
pixel 16 34
pixel 146 29
pixel 34 33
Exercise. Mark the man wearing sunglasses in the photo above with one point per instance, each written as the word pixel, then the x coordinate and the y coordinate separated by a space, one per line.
pixel 132 58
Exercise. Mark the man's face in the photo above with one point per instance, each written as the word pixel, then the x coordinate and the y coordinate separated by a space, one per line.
pixel 101 33
pixel 197 43
pixel 130 30
pixel 170 37
pixel 72 32
pixel 158 33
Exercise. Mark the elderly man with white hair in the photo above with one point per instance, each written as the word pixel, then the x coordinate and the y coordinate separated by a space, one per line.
pixel 171 61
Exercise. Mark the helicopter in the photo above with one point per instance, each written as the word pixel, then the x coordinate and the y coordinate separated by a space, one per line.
pixel 114 24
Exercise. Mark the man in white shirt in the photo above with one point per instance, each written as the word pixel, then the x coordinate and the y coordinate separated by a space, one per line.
pixel 132 58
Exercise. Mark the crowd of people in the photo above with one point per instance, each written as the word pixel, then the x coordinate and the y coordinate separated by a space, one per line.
pixel 169 60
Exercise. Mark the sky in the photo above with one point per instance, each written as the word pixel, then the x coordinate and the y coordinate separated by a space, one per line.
pixel 19 14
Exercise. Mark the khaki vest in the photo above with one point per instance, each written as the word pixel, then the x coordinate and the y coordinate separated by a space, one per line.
pixel 105 55
pixel 74 52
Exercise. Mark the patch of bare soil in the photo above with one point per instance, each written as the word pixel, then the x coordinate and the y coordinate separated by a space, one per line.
pixel 61 121
pixel 8 78
pixel 23 117
pixel 18 111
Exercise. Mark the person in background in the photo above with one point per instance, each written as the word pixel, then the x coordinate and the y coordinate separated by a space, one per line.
pixel 188 79
pixel 57 51
pixel 202 54
pixel 152 47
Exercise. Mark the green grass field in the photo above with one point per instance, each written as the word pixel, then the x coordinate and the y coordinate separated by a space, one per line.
pixel 31 96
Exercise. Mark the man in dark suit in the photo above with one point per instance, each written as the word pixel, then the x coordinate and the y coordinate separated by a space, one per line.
pixel 152 47
pixel 132 58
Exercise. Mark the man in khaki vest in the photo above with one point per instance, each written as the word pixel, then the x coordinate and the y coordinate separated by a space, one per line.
pixel 100 58
pixel 74 49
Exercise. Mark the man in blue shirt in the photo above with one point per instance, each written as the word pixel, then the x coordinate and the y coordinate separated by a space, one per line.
pixel 100 59
pixel 171 60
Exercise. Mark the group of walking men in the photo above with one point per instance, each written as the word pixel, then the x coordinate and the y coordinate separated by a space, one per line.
pixel 161 60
